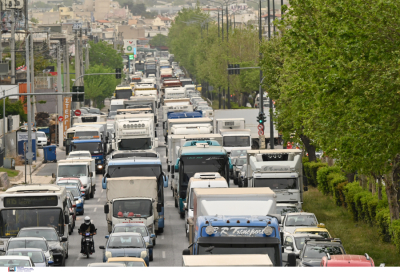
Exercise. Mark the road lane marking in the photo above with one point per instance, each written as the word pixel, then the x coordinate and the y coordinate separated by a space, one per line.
pixel 95 209
pixel 163 254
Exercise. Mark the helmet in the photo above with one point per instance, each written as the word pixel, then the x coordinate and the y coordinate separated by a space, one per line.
pixel 130 214
pixel 87 220
pixel 120 214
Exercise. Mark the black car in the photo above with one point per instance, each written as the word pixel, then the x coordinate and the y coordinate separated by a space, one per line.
pixel 315 249
pixel 58 246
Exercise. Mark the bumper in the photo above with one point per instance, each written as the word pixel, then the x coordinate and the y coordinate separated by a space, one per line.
pixel 42 144
pixel 58 258
pixel 79 207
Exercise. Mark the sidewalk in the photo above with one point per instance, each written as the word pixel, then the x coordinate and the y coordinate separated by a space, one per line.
pixel 31 171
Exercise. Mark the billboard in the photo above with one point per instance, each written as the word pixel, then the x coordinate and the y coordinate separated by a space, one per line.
pixel 129 45
pixel 67 115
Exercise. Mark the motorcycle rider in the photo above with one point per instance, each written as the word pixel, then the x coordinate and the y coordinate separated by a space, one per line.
pixel 85 227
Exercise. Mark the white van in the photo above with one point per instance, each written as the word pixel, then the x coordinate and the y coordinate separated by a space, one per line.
pixel 201 180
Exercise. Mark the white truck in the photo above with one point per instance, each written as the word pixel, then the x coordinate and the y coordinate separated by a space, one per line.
pixel 279 169
pixel 132 200
pixel 236 139
pixel 135 132
pixel 186 129
pixel 143 102
pixel 84 169
pixel 186 121
pixel 147 90
pixel 175 93
pixel 89 118
pixel 175 142
pixel 250 117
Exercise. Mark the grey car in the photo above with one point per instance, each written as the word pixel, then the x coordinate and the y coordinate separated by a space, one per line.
pixel 237 167
pixel 294 221
pixel 30 242
pixel 37 255
pixel 295 242
pixel 58 246
pixel 315 249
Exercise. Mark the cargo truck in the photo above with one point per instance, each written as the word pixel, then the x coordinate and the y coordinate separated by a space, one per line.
pixel 229 260
pixel 185 118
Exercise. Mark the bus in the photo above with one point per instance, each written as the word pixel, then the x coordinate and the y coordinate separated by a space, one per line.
pixel 37 205
pixel 123 92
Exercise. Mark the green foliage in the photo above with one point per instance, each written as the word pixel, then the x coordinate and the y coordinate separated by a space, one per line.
pixel 159 40
pixel 102 53
pixel 34 20
pixel 99 87
pixel 351 190
pixel 16 108
pixel 310 169
pixel 395 231
pixel 138 9
pixel 324 184
pixel 41 4
pixel 383 222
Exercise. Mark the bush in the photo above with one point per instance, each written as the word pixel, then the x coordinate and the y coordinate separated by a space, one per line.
pixel 351 190
pixel 322 178
pixel 337 182
pixel 310 169
pixel 395 230
pixel 383 222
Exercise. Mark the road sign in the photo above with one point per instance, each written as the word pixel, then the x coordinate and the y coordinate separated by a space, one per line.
pixel 78 112
pixel 131 57
pixel 76 26
pixel 60 118
pixel 260 130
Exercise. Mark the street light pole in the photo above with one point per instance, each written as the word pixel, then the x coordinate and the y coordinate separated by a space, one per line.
pixel 28 102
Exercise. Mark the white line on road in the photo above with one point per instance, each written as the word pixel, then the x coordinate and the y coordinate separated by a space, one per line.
pixel 163 254
pixel 95 209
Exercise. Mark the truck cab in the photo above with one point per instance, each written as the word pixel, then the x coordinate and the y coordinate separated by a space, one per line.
pixel 184 118
pixel 136 132
pixel 236 139
pixel 95 147
pixel 123 92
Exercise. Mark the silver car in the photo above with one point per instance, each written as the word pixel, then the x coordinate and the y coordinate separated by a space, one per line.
pixel 294 221
pixel 37 255
pixel 293 243
pixel 30 242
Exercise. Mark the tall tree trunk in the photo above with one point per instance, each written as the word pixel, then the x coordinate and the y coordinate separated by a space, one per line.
pixel 380 188
pixel 309 147
pixel 370 184
pixel 392 197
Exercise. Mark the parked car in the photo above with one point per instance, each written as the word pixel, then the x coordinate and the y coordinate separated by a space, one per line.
pixel 30 242
pixel 15 261
pixel 125 244
pixel 41 138
pixel 37 255
pixel 138 228
pixel 58 246
pixel 128 261
pixel 315 249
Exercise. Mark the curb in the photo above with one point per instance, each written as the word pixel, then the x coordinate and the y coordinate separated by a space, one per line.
pixel 37 166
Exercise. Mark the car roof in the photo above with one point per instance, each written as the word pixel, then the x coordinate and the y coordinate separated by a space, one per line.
pixel 125 259
pixel 300 213
pixel 46 228
pixel 28 238
pixel 125 234
pixel 129 225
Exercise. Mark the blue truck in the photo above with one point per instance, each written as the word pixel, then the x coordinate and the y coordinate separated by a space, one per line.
pixel 140 167
pixel 95 147
pixel 195 157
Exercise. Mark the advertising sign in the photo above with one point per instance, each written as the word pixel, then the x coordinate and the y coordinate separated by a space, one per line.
pixel 67 115
pixel 129 45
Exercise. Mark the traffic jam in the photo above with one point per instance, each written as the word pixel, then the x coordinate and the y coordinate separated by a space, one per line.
pixel 240 202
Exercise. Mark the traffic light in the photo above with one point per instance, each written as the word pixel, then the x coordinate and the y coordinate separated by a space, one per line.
pixel 78 97
pixel 117 72
pixel 261 118
pixel 237 71
pixel 230 72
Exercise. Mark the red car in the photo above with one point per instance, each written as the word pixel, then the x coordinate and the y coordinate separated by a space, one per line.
pixel 347 261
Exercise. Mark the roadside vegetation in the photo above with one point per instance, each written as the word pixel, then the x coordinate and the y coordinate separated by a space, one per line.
pixel 10 173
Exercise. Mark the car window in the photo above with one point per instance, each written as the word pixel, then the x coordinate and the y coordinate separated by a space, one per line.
pixel 301 220
pixel 131 264
pixel 36 256
pixel 125 242
pixel 283 210
pixel 14 263
pixel 324 234
pixel 138 229
pixel 289 241
pixel 48 234
pixel 317 252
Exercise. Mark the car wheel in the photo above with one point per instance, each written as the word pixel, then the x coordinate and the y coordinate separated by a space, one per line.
pixel 182 215
pixel 92 193
pixel 45 161
pixel 235 181
pixel 151 257
pixel 69 230
pixel 160 230
pixel 83 210
pixel 176 203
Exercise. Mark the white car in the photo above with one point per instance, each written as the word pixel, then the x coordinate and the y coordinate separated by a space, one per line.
pixel 41 138
pixel 297 220
pixel 79 154
pixel 15 261
pixel 295 242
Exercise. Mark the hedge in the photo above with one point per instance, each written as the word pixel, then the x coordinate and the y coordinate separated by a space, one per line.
pixel 338 182
pixel 310 169
pixel 322 178
pixel 383 223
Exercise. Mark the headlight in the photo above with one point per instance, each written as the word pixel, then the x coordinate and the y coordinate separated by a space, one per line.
pixel 108 254
pixel 143 254
pixel 150 229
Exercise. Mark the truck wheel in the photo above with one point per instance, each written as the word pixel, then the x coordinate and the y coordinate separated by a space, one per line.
pixel 176 203
pixel 235 181
pixel 151 257
pixel 182 215
pixel 87 196
pixel 240 184
pixel 160 230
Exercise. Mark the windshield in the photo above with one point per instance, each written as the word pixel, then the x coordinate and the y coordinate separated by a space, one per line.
pixel 138 229
pixel 151 67
pixel 75 192
pixel 132 208
pixel 217 249
pixel 116 107
pixel 283 210
pixel 36 256
pixel 125 242
pixel 11 221
pixel 131 264
pixel 240 162
pixel 86 133
pixel 276 183
pixel 93 148
pixel 72 170
pixel 40 134
pixel 89 119
pixel 14 263
pixel 123 94
pixel 317 252
pixel 128 155
pixel 301 220
pixel 48 234
pixel 321 233
pixel 238 153
pixel 134 144
pixel 197 164
pixel 236 141
pixel 120 171
pixel 41 244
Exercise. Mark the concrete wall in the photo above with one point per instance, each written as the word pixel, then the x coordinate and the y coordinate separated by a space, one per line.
pixel 129 32
pixel 51 101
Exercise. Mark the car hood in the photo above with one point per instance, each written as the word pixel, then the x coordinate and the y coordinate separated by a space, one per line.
pixel 292 229
pixel 311 262
pixel 126 252
pixel 40 264
pixel 53 244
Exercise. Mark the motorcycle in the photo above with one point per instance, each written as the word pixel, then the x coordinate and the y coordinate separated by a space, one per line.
pixel 88 244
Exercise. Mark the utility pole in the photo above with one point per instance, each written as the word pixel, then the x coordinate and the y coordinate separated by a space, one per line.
pixel 32 77
pixel 28 102
pixel 77 66
pixel 59 83
pixel 1 39
pixel 87 57
pixel 12 47
pixel 261 95
pixel 227 39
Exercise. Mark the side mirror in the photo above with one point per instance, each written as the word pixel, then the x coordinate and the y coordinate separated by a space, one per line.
pixel 155 134
pixel 186 252
pixel 106 208
pixel 165 181
pixel 289 248
pixel 91 174
pixel 64 239
pixel 107 236
pixel 101 247
pixel 305 188
pixel 159 207
pixel 291 259
pixel 66 219
pixel 53 175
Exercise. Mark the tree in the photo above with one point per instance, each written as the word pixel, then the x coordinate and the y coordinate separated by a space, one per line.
pixel 34 20
pixel 102 53
pixel 159 40
pixel 16 108
pixel 99 87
